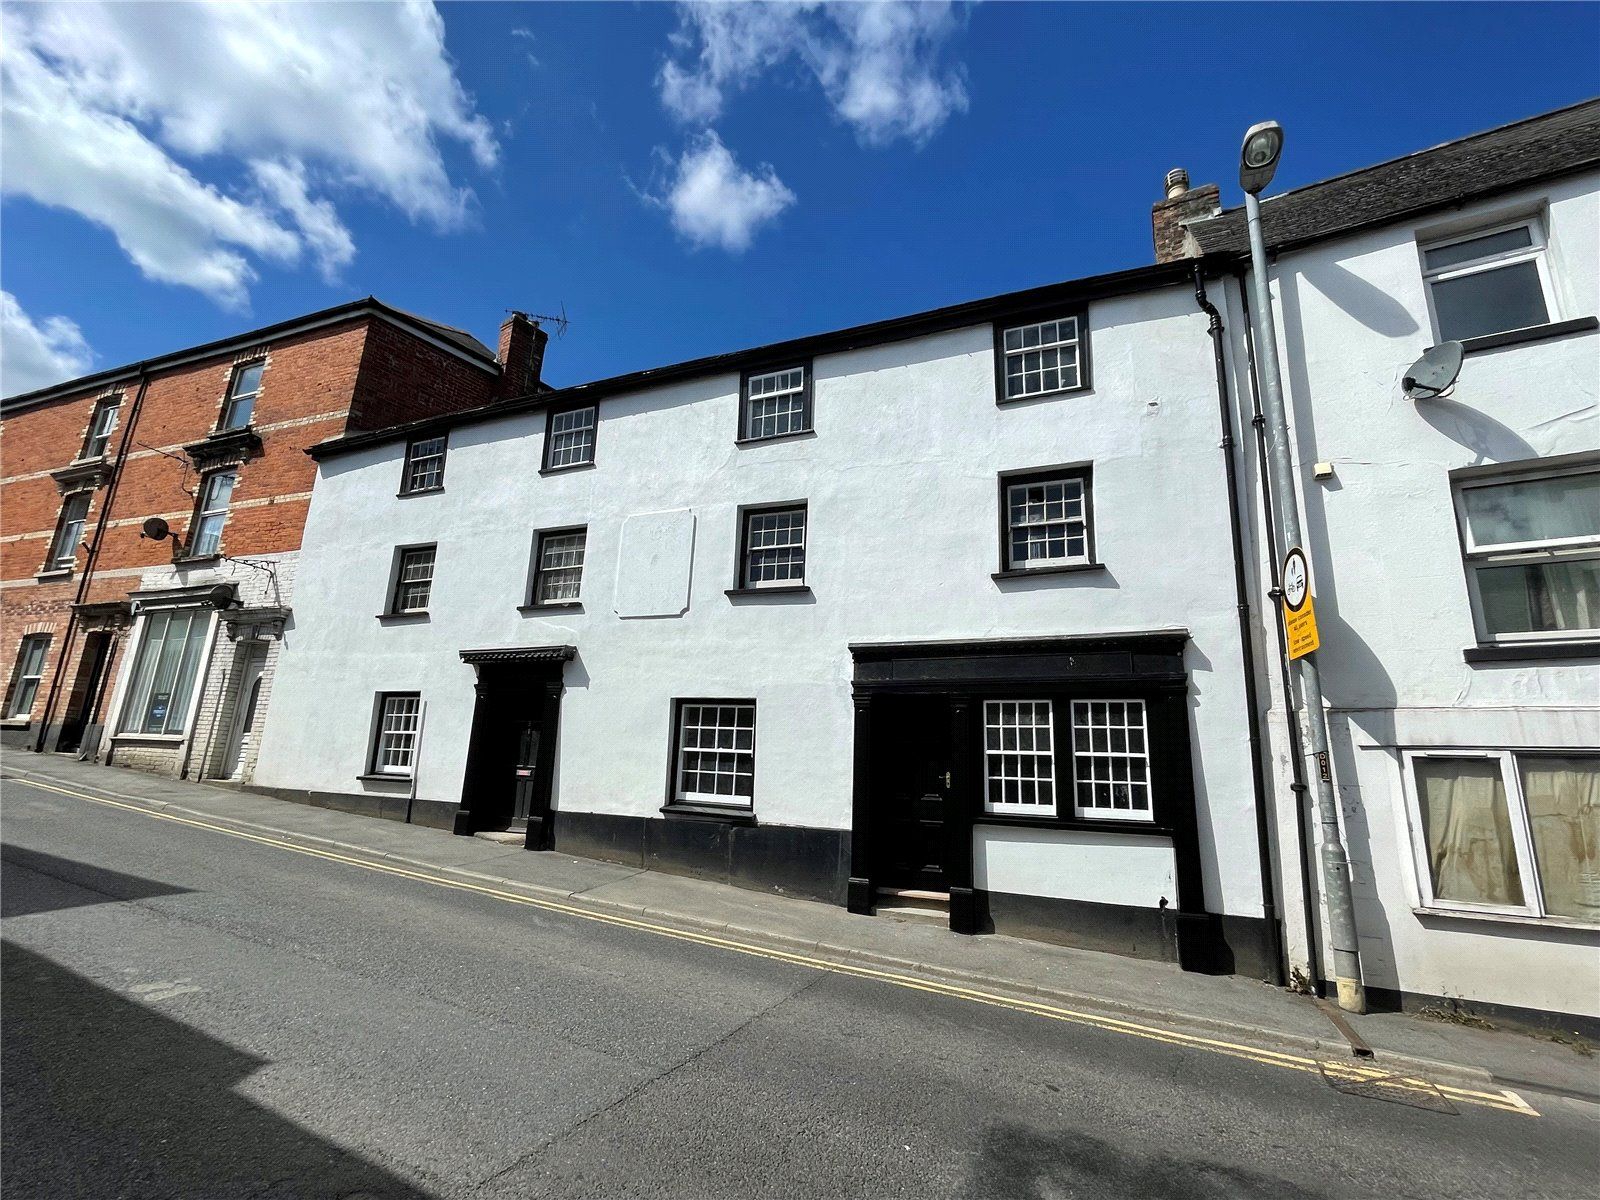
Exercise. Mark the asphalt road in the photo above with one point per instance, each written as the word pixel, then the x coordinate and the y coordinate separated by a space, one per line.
pixel 189 1014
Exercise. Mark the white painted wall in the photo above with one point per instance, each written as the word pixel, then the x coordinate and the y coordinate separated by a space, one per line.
pixel 1391 593
pixel 901 482
pixel 1104 868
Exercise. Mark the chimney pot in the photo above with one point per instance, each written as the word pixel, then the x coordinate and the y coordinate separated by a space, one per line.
pixel 1177 182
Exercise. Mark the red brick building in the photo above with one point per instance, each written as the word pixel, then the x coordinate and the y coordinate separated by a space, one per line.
pixel 158 651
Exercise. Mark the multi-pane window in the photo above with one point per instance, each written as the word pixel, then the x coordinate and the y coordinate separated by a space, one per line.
pixel 1046 521
pixel 716 752
pixel 1019 757
pixel 164 671
pixel 69 531
pixel 26 677
pixel 243 389
pixel 413 580
pixel 425 464
pixel 212 512
pixel 395 747
pixel 1111 759
pixel 558 572
pixel 774 548
pixel 1489 282
pixel 777 403
pixel 1532 544
pixel 101 426
pixel 1504 832
pixel 569 438
pixel 1042 358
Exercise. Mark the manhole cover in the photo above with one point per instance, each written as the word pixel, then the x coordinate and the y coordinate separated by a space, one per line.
pixel 1373 1084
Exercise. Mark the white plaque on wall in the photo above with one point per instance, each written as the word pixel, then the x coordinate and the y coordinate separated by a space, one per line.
pixel 654 563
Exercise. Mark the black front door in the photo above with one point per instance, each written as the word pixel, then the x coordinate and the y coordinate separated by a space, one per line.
pixel 84 698
pixel 510 757
pixel 915 785
pixel 525 772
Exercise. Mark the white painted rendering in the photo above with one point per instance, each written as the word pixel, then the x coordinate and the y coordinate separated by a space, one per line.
pixel 900 477
pixel 1104 868
pixel 1391 592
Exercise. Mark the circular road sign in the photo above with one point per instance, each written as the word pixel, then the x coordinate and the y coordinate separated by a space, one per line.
pixel 1296 579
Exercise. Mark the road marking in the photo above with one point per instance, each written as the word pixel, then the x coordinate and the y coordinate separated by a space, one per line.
pixel 1504 1100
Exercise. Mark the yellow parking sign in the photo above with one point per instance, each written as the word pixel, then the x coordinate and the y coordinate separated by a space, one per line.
pixel 1299 611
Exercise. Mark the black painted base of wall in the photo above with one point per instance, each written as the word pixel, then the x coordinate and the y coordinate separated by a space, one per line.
pixel 791 860
pixel 432 814
pixel 1202 942
pixel 1504 1016
pixel 18 737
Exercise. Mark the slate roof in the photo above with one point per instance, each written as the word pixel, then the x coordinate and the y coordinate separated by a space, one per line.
pixel 459 338
pixel 1497 160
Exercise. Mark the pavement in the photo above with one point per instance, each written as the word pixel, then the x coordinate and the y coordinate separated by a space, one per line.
pixel 204 1006
pixel 1105 986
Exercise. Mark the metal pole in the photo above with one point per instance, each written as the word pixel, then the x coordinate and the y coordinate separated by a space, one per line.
pixel 1280 483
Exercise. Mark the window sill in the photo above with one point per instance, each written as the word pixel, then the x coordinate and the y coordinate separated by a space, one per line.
pixel 798 589
pixel 1532 333
pixel 583 466
pixel 429 491
pixel 14 723
pixel 777 437
pixel 1461 914
pixel 1076 824
pixel 709 812
pixel 53 574
pixel 197 560
pixel 371 777
pixel 552 606
pixel 152 739
pixel 1510 652
pixel 410 618
pixel 1031 572
pixel 1007 401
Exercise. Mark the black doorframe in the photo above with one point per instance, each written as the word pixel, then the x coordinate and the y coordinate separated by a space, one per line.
pixel 1145 665
pixel 534 667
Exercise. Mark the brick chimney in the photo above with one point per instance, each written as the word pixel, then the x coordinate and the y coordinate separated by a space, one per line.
pixel 522 345
pixel 1182 205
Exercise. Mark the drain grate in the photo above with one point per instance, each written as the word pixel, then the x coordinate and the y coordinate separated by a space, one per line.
pixel 1372 1084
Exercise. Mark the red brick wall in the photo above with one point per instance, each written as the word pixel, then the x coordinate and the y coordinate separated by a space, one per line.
pixel 404 378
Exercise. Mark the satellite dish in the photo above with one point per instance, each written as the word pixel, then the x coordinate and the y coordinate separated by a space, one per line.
pixel 155 528
pixel 1434 373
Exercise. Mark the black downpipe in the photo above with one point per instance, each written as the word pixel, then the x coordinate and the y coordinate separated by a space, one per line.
pixel 1241 588
pixel 1313 932
pixel 88 572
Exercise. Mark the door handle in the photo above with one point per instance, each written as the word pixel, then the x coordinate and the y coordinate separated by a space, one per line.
pixel 947 779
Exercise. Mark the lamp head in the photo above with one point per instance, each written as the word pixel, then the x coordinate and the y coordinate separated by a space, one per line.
pixel 1258 157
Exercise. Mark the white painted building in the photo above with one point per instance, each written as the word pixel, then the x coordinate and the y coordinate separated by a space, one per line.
pixel 1455 547
pixel 939 610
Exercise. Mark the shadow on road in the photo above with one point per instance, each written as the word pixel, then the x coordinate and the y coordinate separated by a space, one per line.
pixel 86 884
pixel 106 1097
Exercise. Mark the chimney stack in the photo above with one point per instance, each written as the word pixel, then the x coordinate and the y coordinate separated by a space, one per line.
pixel 1181 205
pixel 522 345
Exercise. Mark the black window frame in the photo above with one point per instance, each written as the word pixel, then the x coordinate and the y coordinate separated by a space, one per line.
pixel 536 570
pixel 224 424
pixel 744 437
pixel 742 585
pixel 1034 317
pixel 392 610
pixel 406 487
pixel 1009 479
pixel 738 812
pixel 375 737
pixel 102 405
pixel 549 430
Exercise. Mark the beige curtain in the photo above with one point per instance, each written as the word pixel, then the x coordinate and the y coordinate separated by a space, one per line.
pixel 1563 795
pixel 1471 855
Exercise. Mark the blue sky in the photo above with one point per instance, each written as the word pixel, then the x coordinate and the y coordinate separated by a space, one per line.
pixel 683 179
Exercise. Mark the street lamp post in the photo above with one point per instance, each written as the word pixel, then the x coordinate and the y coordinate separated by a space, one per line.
pixel 1258 160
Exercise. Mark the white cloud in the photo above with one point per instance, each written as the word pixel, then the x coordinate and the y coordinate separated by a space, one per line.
pixel 878 62
pixel 111 110
pixel 35 355
pixel 713 201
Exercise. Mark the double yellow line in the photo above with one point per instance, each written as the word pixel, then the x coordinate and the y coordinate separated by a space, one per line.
pixel 1344 1071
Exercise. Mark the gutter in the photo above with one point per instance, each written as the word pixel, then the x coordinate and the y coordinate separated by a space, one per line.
pixel 1241 587
pixel 89 563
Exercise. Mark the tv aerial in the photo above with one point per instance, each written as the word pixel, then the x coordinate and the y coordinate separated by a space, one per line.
pixel 1434 373
pixel 558 322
